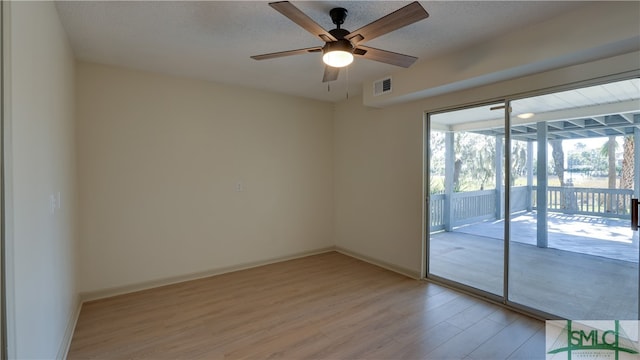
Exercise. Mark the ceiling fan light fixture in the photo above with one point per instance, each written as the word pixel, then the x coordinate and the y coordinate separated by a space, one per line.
pixel 526 115
pixel 338 53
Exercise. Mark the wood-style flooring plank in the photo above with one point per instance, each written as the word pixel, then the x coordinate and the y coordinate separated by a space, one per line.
pixel 465 342
pixel 327 306
pixel 505 342
pixel 532 348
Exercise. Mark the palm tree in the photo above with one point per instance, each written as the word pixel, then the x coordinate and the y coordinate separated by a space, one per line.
pixel 626 180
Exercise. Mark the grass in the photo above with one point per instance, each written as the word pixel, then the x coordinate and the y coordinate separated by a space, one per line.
pixel 600 182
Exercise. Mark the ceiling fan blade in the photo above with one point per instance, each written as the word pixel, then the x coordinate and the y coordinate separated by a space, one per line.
pixel 294 14
pixel 384 56
pixel 395 20
pixel 287 53
pixel 330 73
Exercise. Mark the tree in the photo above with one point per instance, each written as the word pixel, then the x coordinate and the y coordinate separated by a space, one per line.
pixel 611 153
pixel 436 157
pixel 457 169
pixel 626 179
pixel 609 149
pixel 518 160
pixel 567 196
pixel 484 165
pixel 475 161
pixel 558 159
pixel 580 146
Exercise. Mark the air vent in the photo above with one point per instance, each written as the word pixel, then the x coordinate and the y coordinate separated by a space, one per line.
pixel 382 87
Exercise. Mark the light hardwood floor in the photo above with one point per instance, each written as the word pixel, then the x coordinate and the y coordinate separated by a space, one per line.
pixel 327 306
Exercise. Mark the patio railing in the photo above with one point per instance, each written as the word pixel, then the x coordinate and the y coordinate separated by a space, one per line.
pixel 471 206
pixel 465 207
pixel 436 213
pixel 588 201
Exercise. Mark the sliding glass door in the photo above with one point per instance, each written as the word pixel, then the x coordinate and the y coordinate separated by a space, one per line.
pixel 552 234
pixel 466 194
pixel 572 252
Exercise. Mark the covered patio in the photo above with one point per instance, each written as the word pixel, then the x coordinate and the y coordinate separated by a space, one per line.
pixel 566 283
pixel 572 252
pixel 603 111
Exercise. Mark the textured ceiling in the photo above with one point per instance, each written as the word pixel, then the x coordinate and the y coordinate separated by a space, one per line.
pixel 213 40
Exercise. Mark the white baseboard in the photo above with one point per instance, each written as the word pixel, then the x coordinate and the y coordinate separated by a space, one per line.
pixel 397 269
pixel 121 290
pixel 68 333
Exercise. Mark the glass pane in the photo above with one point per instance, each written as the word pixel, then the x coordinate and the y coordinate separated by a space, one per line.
pixel 572 252
pixel 466 203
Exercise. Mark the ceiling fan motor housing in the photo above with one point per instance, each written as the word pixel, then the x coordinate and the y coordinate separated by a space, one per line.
pixel 339 33
pixel 338 15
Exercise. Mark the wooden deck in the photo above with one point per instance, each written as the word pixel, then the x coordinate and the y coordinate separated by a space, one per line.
pixel 328 306
pixel 592 235
pixel 571 284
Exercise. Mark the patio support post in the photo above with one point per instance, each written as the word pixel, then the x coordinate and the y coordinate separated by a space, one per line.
pixel 449 165
pixel 541 192
pixel 636 176
pixel 499 188
pixel 529 175
pixel 636 162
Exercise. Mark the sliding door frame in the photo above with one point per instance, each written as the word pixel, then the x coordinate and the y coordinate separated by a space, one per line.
pixel 506 100
pixel 3 269
pixel 499 104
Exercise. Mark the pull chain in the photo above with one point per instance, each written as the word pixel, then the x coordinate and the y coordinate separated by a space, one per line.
pixel 347 71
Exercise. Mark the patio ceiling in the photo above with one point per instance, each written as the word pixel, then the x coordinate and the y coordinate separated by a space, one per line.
pixel 596 111
pixel 587 127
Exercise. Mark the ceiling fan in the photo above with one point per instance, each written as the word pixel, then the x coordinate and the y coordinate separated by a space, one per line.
pixel 341 45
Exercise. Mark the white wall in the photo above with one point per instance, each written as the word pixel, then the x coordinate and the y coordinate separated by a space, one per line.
pixel 596 30
pixel 42 297
pixel 378 183
pixel 159 159
pixel 379 162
